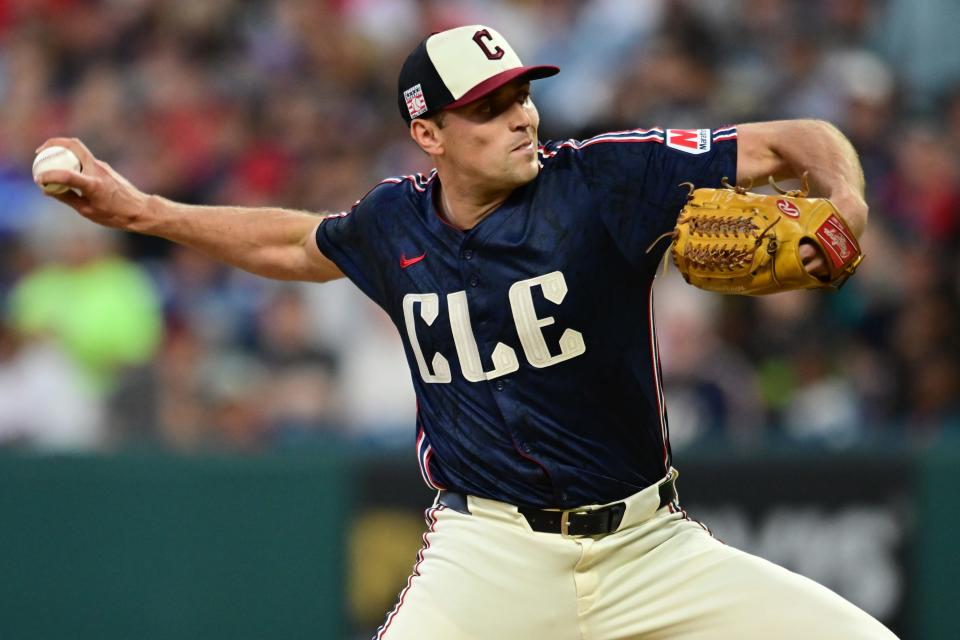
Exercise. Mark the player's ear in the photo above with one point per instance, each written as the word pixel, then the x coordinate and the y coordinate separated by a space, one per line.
pixel 426 133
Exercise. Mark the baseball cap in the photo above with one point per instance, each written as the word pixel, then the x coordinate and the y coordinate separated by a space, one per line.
pixel 455 67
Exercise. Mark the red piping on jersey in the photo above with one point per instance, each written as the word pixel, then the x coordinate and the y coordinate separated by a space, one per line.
pixel 655 359
pixel 423 460
pixel 426 465
pixel 622 131
pixel 729 131
pixel 418 180
pixel 642 135
pixel 440 217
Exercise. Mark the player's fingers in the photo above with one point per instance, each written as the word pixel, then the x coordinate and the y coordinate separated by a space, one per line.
pixel 813 260
pixel 87 159
pixel 71 199
pixel 817 267
pixel 50 142
pixel 106 168
pixel 75 179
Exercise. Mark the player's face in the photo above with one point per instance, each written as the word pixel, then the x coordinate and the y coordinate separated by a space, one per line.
pixel 493 141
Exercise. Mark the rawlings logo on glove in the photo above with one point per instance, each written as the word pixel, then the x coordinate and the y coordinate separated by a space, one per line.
pixel 731 240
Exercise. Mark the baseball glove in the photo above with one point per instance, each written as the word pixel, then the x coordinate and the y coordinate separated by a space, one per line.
pixel 731 240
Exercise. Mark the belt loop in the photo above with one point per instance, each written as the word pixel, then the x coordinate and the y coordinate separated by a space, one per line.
pixel 565 524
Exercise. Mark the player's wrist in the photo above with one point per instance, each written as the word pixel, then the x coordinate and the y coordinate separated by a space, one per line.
pixel 853 208
pixel 149 213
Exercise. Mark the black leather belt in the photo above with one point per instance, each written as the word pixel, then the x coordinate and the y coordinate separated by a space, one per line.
pixel 570 523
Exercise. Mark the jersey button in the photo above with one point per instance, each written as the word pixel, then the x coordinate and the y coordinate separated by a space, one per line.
pixel 474 280
pixel 468 255
pixel 498 385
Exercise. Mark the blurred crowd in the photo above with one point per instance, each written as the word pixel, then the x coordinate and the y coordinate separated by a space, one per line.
pixel 111 340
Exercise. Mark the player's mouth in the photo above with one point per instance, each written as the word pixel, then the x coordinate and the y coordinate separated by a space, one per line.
pixel 526 146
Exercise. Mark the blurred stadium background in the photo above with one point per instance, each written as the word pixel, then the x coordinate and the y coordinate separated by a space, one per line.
pixel 188 451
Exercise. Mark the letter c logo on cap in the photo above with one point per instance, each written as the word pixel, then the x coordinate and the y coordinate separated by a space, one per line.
pixel 478 37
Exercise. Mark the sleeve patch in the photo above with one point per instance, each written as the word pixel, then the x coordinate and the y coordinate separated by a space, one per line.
pixel 695 141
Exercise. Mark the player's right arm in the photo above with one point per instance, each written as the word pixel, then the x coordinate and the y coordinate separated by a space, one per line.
pixel 274 243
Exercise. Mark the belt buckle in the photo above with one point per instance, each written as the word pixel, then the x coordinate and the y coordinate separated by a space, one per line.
pixel 565 523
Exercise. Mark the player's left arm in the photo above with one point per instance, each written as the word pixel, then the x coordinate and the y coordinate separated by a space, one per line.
pixel 788 148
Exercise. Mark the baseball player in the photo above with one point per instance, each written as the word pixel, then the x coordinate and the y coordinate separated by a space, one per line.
pixel 519 275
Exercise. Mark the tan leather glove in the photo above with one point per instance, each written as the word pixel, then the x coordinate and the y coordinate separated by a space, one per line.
pixel 731 240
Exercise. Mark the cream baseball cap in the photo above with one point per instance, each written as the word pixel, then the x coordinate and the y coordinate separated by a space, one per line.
pixel 455 67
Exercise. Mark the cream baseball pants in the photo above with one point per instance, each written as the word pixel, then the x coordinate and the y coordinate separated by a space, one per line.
pixel 487 575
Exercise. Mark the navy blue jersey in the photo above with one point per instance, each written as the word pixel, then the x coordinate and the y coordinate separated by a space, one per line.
pixel 530 337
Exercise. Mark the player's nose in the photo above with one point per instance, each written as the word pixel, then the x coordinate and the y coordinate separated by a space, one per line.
pixel 520 117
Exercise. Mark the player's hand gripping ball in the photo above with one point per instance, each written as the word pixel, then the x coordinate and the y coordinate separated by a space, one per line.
pixel 731 240
pixel 55 158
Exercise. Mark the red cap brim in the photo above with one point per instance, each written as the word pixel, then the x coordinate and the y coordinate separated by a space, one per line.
pixel 493 83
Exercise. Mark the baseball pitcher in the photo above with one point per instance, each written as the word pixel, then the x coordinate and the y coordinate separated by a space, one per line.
pixel 519 274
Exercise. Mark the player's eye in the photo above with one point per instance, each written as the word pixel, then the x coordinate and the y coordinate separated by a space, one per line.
pixel 484 112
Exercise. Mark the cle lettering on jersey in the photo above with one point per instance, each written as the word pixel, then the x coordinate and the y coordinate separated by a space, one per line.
pixel 504 357
pixel 549 299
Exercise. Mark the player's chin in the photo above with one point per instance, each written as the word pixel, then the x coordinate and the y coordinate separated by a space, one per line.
pixel 524 171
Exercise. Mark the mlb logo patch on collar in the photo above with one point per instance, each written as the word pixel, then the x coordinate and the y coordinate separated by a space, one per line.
pixel 416 103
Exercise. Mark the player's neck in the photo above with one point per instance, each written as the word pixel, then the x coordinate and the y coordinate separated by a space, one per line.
pixel 465 209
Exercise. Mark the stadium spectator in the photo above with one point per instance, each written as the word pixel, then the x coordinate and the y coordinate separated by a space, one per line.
pixel 292 103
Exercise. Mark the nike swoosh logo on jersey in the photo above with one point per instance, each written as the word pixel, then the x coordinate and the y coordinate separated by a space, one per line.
pixel 406 262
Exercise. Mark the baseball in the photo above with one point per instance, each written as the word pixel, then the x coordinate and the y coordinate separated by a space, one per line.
pixel 55 158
